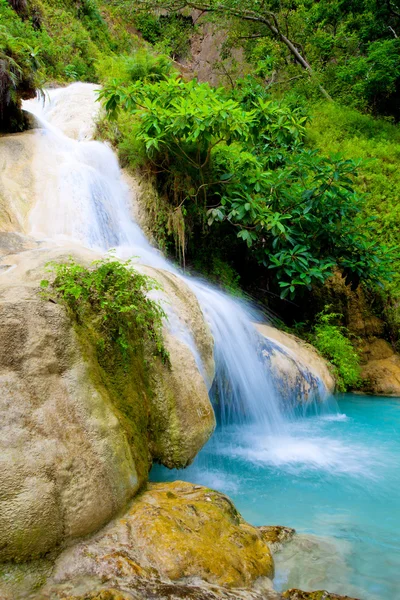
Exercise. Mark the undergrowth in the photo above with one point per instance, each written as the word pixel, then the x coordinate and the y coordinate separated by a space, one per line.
pixel 332 341
pixel 125 318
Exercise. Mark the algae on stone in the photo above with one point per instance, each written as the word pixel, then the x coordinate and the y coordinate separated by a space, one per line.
pixel 276 535
pixel 172 532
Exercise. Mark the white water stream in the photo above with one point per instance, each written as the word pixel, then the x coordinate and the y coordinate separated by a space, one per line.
pixel 86 201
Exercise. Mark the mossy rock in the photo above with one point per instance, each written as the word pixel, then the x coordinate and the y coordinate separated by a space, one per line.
pixel 192 531
pixel 172 532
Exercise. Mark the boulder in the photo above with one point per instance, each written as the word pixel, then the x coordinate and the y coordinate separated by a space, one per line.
pixel 380 367
pixel 176 533
pixel 381 377
pixel 76 443
pixel 181 416
pixel 380 364
pixel 299 371
pixel 276 535
pixel 66 464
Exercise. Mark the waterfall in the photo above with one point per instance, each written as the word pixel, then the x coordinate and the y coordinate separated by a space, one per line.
pixel 86 201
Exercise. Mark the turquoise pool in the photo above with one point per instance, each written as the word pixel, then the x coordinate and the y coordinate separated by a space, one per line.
pixel 335 478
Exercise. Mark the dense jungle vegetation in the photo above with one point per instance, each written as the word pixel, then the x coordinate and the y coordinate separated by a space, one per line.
pixel 283 174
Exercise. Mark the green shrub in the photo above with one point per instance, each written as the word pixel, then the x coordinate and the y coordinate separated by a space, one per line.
pixel 168 33
pixel 224 160
pixel 117 295
pixel 141 65
pixel 149 26
pixel 332 341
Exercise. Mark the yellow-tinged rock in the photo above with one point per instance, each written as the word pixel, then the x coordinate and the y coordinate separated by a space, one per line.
pixel 276 535
pixel 172 532
pixel 187 530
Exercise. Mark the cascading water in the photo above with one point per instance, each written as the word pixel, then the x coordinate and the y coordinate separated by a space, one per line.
pixel 86 201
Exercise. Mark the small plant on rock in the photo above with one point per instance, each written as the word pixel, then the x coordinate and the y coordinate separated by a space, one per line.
pixel 332 341
pixel 112 297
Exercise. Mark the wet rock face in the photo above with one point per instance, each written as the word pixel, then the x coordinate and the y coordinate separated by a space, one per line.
pixel 181 416
pixel 173 532
pixel 276 535
pixel 300 373
pixel 146 590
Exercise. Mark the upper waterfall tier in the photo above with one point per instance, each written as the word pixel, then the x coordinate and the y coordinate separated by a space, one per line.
pixel 76 195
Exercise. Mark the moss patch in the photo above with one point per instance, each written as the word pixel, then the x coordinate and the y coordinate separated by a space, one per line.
pixel 119 330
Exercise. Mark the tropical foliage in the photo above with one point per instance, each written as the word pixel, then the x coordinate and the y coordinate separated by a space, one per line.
pixel 332 340
pixel 348 50
pixel 241 159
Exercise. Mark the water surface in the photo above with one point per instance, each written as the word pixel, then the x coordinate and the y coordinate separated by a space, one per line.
pixel 335 476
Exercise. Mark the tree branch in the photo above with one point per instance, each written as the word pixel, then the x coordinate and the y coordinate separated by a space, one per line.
pixel 269 20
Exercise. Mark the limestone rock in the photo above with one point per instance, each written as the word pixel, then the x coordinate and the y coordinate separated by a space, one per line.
pixel 159 590
pixel 381 371
pixel 74 448
pixel 17 180
pixel 181 418
pixel 185 317
pixel 299 371
pixel 176 532
pixel 352 304
pixel 23 180
pixel 66 465
pixel 380 365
